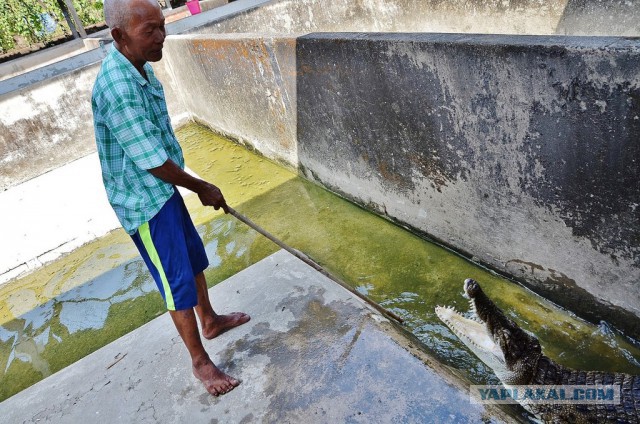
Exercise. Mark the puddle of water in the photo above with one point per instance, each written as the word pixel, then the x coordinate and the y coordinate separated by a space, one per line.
pixel 68 309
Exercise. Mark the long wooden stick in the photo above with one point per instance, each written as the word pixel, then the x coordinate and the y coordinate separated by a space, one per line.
pixel 304 258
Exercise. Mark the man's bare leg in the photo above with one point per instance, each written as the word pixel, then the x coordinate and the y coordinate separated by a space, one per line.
pixel 215 381
pixel 213 324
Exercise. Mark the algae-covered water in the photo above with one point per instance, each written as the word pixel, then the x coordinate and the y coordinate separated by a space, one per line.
pixel 69 308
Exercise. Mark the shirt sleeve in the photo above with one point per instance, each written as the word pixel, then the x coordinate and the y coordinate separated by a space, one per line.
pixel 130 125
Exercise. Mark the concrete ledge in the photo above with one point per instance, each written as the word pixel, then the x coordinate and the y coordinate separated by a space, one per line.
pixel 311 353
pixel 53 214
pixel 37 59
pixel 45 217
pixel 522 17
pixel 52 70
pixel 227 11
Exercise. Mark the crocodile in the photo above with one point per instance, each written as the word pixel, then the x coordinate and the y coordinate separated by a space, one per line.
pixel 516 358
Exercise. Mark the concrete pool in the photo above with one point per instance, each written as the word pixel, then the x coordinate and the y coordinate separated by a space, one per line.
pixel 508 136
pixel 505 131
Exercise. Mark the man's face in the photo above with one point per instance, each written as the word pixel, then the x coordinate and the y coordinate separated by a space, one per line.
pixel 143 37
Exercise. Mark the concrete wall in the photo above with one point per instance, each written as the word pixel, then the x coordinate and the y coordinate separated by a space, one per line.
pixel 45 102
pixel 521 152
pixel 41 58
pixel 49 123
pixel 244 86
pixel 50 131
pixel 533 17
pixel 45 125
pixel 600 17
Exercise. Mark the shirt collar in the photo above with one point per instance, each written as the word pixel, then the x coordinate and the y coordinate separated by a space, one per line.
pixel 121 60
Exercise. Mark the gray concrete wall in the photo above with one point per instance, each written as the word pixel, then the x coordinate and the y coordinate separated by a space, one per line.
pixel 520 152
pixel 48 123
pixel 533 17
pixel 600 17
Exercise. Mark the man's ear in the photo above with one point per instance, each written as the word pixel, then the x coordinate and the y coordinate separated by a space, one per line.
pixel 118 35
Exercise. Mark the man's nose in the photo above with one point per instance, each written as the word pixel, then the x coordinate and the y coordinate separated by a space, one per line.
pixel 160 36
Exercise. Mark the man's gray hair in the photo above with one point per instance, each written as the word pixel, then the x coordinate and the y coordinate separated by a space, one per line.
pixel 116 13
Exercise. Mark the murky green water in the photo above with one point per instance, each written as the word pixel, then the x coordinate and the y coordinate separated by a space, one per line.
pixel 101 291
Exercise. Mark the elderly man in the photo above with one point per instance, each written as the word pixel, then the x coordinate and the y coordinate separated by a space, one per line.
pixel 142 163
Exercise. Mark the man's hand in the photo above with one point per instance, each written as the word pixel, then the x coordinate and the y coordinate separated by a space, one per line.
pixel 209 194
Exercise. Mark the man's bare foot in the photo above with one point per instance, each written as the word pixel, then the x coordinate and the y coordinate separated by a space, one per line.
pixel 215 381
pixel 218 324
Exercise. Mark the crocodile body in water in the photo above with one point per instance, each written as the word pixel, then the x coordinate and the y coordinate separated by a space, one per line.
pixel 516 358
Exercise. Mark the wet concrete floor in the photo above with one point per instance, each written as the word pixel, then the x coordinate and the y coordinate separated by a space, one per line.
pixel 311 353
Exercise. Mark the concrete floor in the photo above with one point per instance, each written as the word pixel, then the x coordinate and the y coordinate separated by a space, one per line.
pixel 312 353
pixel 46 217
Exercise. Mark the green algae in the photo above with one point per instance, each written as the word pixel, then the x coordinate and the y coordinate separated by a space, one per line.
pixel 42 327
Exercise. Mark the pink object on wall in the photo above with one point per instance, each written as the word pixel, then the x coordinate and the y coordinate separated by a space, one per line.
pixel 194 7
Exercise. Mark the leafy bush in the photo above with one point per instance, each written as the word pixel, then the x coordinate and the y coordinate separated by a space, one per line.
pixel 89 11
pixel 34 21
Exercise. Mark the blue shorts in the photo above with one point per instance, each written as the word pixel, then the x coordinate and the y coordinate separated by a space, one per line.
pixel 174 253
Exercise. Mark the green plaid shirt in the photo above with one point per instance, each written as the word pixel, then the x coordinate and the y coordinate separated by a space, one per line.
pixel 133 134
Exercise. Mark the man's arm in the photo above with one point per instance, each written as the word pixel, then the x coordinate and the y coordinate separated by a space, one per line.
pixel 209 194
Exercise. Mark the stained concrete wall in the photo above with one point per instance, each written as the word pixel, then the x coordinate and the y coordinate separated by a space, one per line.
pixel 520 152
pixel 244 86
pixel 50 131
pixel 49 123
pixel 523 152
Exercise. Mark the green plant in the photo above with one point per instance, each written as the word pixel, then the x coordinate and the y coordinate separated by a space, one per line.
pixel 89 11
pixel 23 21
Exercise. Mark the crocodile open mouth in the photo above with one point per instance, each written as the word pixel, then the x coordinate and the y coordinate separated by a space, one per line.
pixel 471 329
pixel 498 341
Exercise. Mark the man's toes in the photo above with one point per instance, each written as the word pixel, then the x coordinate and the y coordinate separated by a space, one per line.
pixel 241 317
pixel 232 383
